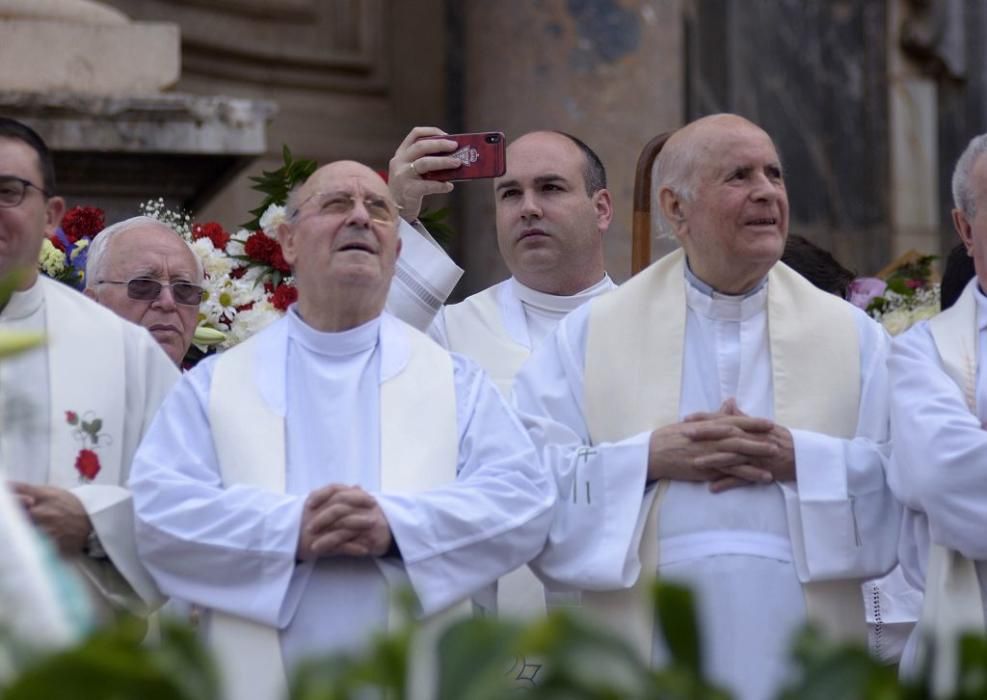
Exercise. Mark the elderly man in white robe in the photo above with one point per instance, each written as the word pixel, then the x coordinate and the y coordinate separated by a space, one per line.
pixel 938 414
pixel 288 486
pixel 74 411
pixel 144 271
pixel 718 421
pixel 553 209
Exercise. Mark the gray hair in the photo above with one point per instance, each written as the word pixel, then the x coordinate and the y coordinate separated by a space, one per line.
pixel 96 257
pixel 675 169
pixel 963 198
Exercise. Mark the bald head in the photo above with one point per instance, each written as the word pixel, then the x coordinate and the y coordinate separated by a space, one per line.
pixel 340 237
pixel 330 175
pixel 722 195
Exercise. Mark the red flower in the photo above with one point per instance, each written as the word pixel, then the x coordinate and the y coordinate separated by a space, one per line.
pixel 83 222
pixel 71 417
pixel 214 232
pixel 237 272
pixel 87 464
pixel 57 242
pixel 260 247
pixel 284 296
pixel 278 262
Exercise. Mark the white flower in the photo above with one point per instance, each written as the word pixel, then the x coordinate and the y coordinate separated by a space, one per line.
pixel 249 322
pixel 235 245
pixel 896 320
pixel 273 216
pixel 51 259
pixel 216 264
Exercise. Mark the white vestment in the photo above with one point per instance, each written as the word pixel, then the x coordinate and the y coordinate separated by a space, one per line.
pixel 497 328
pixel 97 366
pixel 937 468
pixel 231 548
pixel 745 552
pixel 424 277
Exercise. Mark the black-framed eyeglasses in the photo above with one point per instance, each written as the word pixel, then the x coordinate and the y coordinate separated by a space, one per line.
pixel 13 190
pixel 147 289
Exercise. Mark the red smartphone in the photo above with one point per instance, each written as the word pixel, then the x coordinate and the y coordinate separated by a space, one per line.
pixel 482 155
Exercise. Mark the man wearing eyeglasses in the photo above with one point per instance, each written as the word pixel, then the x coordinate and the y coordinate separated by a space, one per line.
pixel 71 414
pixel 291 484
pixel 143 270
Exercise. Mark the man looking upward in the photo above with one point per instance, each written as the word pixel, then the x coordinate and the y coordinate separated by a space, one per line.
pixel 718 421
pixel 286 487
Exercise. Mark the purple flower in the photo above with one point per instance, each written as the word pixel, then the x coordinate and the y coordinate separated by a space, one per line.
pixel 863 289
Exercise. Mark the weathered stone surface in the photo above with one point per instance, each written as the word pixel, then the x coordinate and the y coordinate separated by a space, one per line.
pixel 117 151
pixel 608 72
pixel 79 11
pixel 55 56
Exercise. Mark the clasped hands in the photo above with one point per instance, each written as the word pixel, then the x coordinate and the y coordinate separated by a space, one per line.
pixel 56 512
pixel 727 449
pixel 342 520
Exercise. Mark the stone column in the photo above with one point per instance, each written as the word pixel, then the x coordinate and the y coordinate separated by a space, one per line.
pixel 608 72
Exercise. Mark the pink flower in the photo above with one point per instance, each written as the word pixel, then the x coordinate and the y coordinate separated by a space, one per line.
pixel 71 417
pixel 863 289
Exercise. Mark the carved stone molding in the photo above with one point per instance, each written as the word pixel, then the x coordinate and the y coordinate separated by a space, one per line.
pixel 318 44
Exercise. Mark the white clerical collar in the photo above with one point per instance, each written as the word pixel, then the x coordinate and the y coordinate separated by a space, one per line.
pixel 703 299
pixel 23 304
pixel 341 344
pixel 556 303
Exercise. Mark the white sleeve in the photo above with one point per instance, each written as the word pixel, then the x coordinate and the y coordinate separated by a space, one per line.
pixel 227 548
pixel 456 539
pixel 595 535
pixel 940 447
pixel 843 519
pixel 424 277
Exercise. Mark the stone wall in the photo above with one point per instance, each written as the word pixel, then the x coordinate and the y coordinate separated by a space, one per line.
pixel 350 77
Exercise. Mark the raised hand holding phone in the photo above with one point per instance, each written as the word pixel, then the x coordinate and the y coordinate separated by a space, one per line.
pixel 423 150
pixel 481 155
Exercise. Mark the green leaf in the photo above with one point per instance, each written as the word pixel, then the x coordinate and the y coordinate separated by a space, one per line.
pixel 275 185
pixel 675 611
pixel 96 426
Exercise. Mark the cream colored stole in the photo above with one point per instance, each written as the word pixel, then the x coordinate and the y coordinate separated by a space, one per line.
pixel 475 328
pixel 815 363
pixel 419 400
pixel 952 603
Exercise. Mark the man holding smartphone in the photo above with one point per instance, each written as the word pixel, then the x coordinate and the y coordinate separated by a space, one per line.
pixel 553 209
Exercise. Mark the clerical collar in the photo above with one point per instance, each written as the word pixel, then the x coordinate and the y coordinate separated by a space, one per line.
pixel 24 304
pixel 340 344
pixel 557 303
pixel 705 300
pixel 710 292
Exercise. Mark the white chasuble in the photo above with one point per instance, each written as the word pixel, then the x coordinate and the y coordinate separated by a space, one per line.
pixel 816 380
pixel 104 379
pixel 952 603
pixel 418 400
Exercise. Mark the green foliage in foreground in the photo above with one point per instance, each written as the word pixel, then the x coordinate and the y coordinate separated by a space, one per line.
pixel 481 659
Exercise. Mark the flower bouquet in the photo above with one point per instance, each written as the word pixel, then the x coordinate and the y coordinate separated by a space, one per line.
pixel 902 294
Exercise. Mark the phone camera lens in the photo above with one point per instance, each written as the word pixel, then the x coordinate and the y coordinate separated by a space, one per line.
pixel 493 138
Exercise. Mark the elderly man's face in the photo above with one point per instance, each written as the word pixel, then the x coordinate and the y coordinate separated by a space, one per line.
pixel 973 230
pixel 156 253
pixel 24 227
pixel 549 231
pixel 738 216
pixel 344 234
